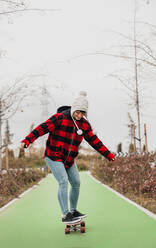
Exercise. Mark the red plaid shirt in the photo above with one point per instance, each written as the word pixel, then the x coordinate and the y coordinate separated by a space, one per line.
pixel 63 141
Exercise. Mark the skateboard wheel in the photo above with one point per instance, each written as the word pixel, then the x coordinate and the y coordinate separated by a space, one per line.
pixel 67 231
pixel 83 230
pixel 83 224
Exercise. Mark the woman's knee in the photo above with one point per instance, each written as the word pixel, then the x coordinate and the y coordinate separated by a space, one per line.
pixel 78 182
pixel 63 181
pixel 75 183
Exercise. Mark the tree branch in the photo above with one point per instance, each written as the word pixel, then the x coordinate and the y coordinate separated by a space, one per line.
pixel 122 81
pixel 22 10
pixel 12 2
pixel 149 24
pixel 112 55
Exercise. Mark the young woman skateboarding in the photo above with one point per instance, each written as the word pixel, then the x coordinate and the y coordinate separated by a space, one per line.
pixel 66 129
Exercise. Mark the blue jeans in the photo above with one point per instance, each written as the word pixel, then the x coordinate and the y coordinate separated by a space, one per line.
pixel 62 175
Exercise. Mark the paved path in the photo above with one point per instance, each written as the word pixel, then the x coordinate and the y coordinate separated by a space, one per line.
pixel 35 220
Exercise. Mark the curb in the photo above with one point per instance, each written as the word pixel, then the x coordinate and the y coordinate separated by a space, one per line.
pixel 149 213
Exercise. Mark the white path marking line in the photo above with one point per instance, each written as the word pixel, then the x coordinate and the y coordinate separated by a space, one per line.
pixel 152 215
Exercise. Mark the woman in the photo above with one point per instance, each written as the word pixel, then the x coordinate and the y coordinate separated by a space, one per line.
pixel 66 129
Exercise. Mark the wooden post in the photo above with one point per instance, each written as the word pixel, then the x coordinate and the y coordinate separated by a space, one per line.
pixel 134 139
pixel 145 133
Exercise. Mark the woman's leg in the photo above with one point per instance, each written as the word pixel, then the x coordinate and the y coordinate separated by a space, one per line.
pixel 74 179
pixel 60 174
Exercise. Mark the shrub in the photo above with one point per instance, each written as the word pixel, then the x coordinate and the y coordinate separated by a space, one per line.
pixel 128 174
pixel 15 181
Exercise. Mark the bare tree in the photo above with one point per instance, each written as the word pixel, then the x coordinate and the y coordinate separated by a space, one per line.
pixel 11 98
pixel 147 56
pixel 7 141
pixel 17 97
pixel 138 53
pixel 136 76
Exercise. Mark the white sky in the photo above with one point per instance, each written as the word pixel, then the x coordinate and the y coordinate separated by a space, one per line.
pixel 51 44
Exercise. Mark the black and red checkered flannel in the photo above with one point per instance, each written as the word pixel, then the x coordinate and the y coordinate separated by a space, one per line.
pixel 63 141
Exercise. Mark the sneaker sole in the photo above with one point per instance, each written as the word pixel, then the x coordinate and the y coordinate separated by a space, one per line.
pixel 72 222
pixel 82 217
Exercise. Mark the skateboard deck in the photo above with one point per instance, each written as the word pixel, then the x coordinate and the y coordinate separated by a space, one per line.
pixel 77 226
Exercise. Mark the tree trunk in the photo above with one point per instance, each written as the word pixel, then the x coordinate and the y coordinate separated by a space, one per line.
pixel 145 133
pixel 136 80
pixel 134 139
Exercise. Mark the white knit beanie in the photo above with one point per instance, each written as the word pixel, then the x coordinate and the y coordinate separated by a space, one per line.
pixel 80 103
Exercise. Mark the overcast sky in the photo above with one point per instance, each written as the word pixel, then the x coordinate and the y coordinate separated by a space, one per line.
pixel 56 45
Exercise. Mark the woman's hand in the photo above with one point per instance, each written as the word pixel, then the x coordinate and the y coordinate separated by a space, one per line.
pixel 111 156
pixel 23 145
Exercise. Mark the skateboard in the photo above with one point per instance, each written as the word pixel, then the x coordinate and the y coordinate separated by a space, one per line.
pixel 78 226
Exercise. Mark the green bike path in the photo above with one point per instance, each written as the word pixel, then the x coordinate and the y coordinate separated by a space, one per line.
pixel 35 220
